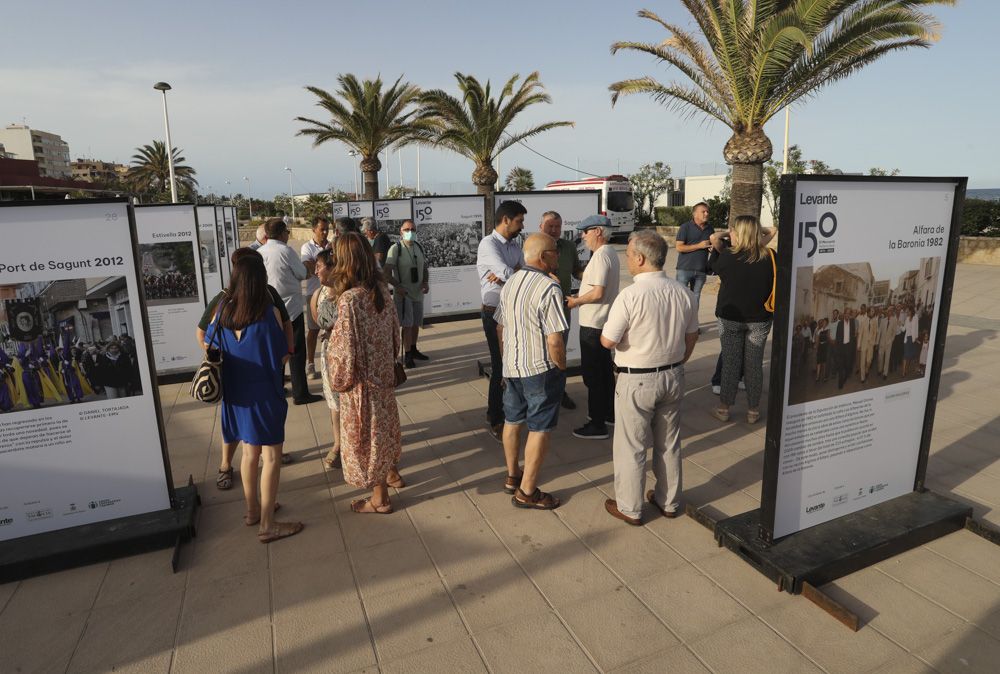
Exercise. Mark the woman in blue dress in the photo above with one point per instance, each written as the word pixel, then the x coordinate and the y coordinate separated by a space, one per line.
pixel 247 329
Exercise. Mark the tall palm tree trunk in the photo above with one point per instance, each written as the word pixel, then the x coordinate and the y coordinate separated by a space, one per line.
pixel 370 166
pixel 746 152
pixel 485 180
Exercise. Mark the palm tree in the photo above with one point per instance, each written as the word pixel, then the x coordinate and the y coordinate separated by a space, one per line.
pixel 754 57
pixel 519 179
pixel 367 120
pixel 475 126
pixel 149 173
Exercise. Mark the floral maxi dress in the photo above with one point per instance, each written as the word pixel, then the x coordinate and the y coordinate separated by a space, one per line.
pixel 360 365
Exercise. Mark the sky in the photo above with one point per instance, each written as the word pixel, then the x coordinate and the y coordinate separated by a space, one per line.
pixel 238 72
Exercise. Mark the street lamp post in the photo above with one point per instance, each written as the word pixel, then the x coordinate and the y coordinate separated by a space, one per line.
pixel 229 188
pixel 291 197
pixel 249 198
pixel 354 170
pixel 163 88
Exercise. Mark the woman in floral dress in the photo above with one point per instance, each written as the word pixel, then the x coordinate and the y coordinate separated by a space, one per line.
pixel 360 361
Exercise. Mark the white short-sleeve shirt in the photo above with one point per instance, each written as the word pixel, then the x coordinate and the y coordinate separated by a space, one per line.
pixel 604 270
pixel 649 321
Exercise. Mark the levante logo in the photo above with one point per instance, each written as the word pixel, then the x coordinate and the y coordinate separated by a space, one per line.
pixel 826 227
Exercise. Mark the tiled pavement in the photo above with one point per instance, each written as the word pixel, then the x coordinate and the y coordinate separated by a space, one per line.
pixel 459 581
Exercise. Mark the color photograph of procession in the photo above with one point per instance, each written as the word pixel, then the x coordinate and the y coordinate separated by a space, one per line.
pixel 168 273
pixel 859 326
pixel 66 342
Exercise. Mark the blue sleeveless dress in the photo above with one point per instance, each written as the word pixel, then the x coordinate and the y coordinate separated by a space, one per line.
pixel 253 397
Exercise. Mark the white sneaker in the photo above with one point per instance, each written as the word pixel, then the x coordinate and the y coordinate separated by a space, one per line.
pixel 311 372
pixel 741 386
pixel 717 390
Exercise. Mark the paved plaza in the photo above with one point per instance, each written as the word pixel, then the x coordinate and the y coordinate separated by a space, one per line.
pixel 457 580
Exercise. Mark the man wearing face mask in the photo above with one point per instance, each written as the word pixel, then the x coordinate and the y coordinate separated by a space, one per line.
pixel 406 267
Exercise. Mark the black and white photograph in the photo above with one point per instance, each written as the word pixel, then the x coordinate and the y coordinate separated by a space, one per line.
pixel 859 327
pixel 449 244
pixel 390 228
pixel 168 273
pixel 209 255
pixel 65 342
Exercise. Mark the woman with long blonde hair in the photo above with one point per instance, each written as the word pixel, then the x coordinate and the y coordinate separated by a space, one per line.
pixel 360 365
pixel 746 273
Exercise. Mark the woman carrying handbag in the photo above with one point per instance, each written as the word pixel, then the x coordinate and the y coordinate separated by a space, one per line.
pixel 247 329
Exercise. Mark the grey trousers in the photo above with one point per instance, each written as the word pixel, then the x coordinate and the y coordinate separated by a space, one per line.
pixel 648 409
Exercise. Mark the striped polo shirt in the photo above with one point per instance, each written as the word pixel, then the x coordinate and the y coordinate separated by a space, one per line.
pixel 530 307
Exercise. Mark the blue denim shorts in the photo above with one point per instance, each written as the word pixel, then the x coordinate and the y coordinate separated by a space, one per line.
pixel 535 400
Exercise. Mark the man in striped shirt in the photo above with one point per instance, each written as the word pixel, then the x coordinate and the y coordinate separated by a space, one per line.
pixel 530 322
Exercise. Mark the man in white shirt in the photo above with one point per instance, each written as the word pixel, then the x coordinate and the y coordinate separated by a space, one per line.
pixel 653 327
pixel 286 272
pixel 598 290
pixel 310 249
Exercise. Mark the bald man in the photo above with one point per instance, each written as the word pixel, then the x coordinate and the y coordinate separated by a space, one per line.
pixel 530 322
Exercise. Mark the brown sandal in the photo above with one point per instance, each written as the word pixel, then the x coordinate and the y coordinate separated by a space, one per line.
pixel 249 521
pixel 364 506
pixel 398 484
pixel 537 501
pixel 511 484
pixel 280 530
pixel 334 463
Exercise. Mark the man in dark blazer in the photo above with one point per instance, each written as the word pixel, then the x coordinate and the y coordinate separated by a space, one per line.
pixel 846 346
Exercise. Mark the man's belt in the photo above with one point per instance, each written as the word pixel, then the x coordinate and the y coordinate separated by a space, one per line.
pixel 646 370
pixel 488 309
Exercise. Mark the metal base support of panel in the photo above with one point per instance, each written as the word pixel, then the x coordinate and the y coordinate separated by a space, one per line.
pixel 90 543
pixel 828 551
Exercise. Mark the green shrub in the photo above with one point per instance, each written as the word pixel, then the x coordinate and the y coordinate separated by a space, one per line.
pixel 672 216
pixel 981 217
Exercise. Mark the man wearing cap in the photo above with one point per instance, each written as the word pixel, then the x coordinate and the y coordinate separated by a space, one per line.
pixel 653 329
pixel 692 251
pixel 569 268
pixel 286 272
pixel 598 291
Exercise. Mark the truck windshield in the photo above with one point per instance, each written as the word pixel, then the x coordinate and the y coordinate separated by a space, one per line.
pixel 620 201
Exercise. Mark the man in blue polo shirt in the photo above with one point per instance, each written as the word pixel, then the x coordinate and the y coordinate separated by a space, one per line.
pixel 692 251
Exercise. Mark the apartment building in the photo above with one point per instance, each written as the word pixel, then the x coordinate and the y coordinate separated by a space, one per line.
pixel 97 171
pixel 48 149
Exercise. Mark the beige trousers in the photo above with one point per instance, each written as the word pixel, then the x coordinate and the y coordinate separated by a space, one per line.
pixel 647 408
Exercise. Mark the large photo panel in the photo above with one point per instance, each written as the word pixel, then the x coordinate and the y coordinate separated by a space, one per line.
pixel 224 236
pixel 208 249
pixel 449 230
pixel 338 209
pixel 80 436
pixel 866 275
pixel 361 209
pixel 390 214
pixel 170 265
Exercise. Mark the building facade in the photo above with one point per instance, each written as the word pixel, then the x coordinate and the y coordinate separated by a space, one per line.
pixel 48 149
pixel 97 171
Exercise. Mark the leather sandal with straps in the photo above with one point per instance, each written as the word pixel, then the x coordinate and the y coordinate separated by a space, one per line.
pixel 539 500
pixel 365 506
pixel 511 484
